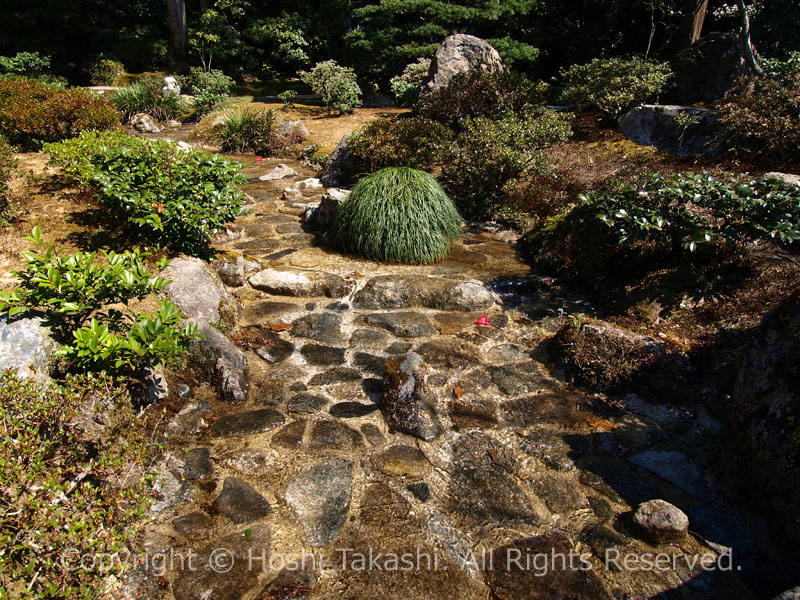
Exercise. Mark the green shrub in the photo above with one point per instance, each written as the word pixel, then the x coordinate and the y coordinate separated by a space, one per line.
pixel 481 94
pixel 198 80
pixel 69 489
pixel 25 64
pixel 7 164
pixel 32 113
pixel 287 97
pixel 404 142
pixel 246 131
pixel 488 154
pixel 206 102
pixel 762 119
pixel 397 215
pixel 614 85
pixel 407 86
pixel 336 84
pixel 170 195
pixel 105 71
pixel 147 96
pixel 77 293
pixel 786 71
pixel 688 209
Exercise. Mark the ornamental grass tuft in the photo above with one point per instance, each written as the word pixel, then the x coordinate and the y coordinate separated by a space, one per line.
pixel 397 214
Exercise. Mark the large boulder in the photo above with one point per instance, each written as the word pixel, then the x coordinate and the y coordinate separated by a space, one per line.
pixel 461 53
pixel 660 126
pixel 144 123
pixel 766 404
pixel 27 346
pixel 199 292
pixel 342 165
pixel 320 218
pixel 707 69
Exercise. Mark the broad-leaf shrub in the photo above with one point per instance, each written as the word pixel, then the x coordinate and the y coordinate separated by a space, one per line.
pixel 614 85
pixel 147 96
pixel 336 84
pixel 688 209
pixel 65 492
pixel 397 215
pixel 25 64
pixel 78 293
pixel 401 142
pixel 198 80
pixel 7 163
pixel 105 71
pixel 406 87
pixel 170 195
pixel 479 93
pixel 762 119
pixel 32 113
pixel 490 153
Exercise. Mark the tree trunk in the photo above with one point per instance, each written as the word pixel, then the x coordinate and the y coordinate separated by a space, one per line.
pixel 688 32
pixel 747 46
pixel 176 47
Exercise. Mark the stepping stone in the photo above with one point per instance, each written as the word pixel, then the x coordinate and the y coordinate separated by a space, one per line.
pixel 280 172
pixel 479 413
pixel 334 435
pixel 193 525
pixel 370 363
pixel 373 434
pixel 197 465
pixel 240 502
pixel 350 410
pixel 560 495
pixel 392 291
pixel 449 353
pixel 516 380
pixel 335 375
pixel 325 327
pixel 290 436
pixel 294 282
pixel 319 498
pixel 401 461
pixel 247 423
pixel 306 403
pixel 404 324
pixel 316 354
pixel 369 338
pixel 406 401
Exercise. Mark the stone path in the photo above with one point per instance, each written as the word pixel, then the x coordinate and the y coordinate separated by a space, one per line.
pixel 520 463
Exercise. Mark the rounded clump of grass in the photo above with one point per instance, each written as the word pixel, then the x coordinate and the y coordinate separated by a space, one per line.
pixel 397 214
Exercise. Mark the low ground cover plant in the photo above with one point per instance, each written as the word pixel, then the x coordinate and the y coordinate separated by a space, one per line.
pixel 170 195
pixel 478 93
pixel 336 84
pixel 72 484
pixel 32 113
pixel 88 302
pixel 147 96
pixel 614 85
pixel 687 209
pixel 397 214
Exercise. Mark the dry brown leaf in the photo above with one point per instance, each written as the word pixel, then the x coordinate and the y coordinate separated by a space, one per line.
pixel 458 392
pixel 492 454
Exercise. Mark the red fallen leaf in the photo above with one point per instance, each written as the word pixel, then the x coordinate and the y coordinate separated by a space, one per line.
pixel 602 423
pixel 259 158
pixel 492 454
pixel 484 320
pixel 458 392
pixel 261 187
pixel 279 327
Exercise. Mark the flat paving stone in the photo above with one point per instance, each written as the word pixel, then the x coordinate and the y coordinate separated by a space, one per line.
pixel 247 423
pixel 334 435
pixel 240 502
pixel 403 324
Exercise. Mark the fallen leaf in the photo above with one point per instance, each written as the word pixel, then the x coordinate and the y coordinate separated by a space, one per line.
pixel 458 392
pixel 492 454
pixel 279 327
pixel 600 423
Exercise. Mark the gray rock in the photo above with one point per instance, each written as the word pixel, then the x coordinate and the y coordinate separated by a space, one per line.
pixel 294 282
pixel 352 410
pixel 316 354
pixel 335 375
pixel 675 467
pixel 406 402
pixel 391 291
pixel 291 129
pixel 319 498
pixel 448 354
pixel 240 502
pixel 279 172
pixel 306 403
pixel 657 125
pixel 191 418
pixel 232 272
pixel 661 522
pixel 144 123
pixel 27 346
pixel 184 391
pixel 247 423
pixel 194 525
pixel 197 465
pixel 321 217
pixel 516 380
pixel 787 179
pixel 334 435
pixel 325 327
pixel 461 53
pixel 156 387
pixel 227 363
pixel 290 436
pixel 403 324
pixel 708 68
pixel 199 292
pixel 342 165
pixel 401 461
